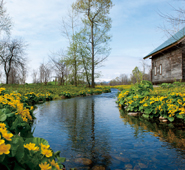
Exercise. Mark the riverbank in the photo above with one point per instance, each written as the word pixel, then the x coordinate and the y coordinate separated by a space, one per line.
pixel 19 149
pixel 54 92
pixel 93 129
pixel 166 102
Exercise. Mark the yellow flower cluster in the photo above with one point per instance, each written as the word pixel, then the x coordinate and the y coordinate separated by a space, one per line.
pixel 122 95
pixel 46 166
pixel 4 132
pixel 25 114
pixel 142 101
pixel 31 147
pixel 10 99
pixel 158 101
pixel 46 151
pixel 37 94
pixel 1 89
pixel 172 109
pixel 55 164
pixel 182 110
pixel 4 148
pixel 14 100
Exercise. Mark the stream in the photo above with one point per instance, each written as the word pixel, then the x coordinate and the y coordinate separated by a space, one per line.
pixel 92 133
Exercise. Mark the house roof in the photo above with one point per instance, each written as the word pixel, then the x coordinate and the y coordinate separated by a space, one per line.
pixel 172 41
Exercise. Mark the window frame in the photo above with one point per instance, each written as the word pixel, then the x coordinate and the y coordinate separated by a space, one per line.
pixel 155 70
pixel 160 69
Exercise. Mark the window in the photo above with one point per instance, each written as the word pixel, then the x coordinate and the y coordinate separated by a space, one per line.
pixel 160 68
pixel 155 71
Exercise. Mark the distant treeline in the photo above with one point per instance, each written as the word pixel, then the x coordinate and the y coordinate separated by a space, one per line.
pixel 136 76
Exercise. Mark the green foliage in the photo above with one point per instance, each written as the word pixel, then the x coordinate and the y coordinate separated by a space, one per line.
pixel 141 98
pixel 136 76
pixel 16 119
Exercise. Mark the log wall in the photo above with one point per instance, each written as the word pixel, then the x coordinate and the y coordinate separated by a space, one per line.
pixel 172 63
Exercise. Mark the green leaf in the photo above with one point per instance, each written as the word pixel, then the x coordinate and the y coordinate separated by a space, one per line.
pixel 140 108
pixel 61 159
pixel 37 141
pixel 147 111
pixel 10 114
pixel 171 119
pixel 2 157
pixel 20 153
pixel 2 116
pixel 57 153
pixel 17 147
pixel 145 116
pixel 179 116
pixel 18 167
pixel 151 116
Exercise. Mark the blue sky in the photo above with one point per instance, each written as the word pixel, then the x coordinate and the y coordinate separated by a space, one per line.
pixel 135 31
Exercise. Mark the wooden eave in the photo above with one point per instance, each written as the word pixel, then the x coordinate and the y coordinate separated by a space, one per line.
pixel 166 48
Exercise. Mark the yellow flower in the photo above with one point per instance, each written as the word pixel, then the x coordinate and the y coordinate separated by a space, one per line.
pixel 152 102
pixel 45 166
pixel 31 147
pixel 2 125
pixel 1 141
pixel 5 149
pixel 131 101
pixel 44 146
pixel 53 163
pixel 145 104
pixel 160 108
pixel 46 152
pixel 7 136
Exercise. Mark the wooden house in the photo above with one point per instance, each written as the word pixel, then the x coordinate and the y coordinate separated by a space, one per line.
pixel 168 60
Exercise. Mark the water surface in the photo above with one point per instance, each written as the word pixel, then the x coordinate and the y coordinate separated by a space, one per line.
pixel 93 127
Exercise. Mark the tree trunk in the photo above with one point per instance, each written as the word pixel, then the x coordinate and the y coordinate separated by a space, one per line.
pixel 7 76
pixel 92 43
pixel 75 76
pixel 85 68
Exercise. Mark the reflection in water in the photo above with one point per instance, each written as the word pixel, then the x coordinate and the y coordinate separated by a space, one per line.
pixel 92 127
pixel 173 133
pixel 76 120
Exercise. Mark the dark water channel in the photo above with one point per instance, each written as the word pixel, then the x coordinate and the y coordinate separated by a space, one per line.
pixel 92 127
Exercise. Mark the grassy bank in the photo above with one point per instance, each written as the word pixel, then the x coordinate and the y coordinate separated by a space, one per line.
pixel 55 91
pixel 167 101
pixel 19 150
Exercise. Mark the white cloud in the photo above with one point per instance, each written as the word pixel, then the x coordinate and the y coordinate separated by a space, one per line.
pixel 134 31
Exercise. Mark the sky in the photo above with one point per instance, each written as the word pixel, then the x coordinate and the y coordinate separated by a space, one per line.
pixel 136 31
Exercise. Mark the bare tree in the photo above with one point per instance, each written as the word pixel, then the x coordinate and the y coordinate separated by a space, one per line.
pixel 146 70
pixel 5 21
pixel 22 76
pixel 34 76
pixel 60 69
pixel 45 73
pixel 13 77
pixel 12 56
pixel 173 21
pixel 69 26
pixel 124 79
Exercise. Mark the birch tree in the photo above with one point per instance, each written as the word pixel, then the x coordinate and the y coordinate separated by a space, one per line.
pixel 98 22
pixel 69 25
